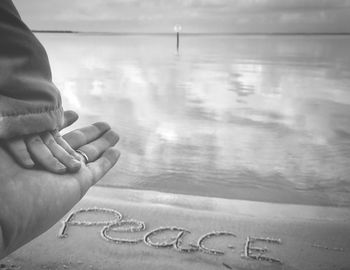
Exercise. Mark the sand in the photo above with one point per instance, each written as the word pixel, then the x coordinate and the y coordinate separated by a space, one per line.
pixel 311 237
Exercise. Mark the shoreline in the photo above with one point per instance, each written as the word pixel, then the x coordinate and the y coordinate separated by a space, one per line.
pixel 185 34
pixel 268 195
pixel 220 205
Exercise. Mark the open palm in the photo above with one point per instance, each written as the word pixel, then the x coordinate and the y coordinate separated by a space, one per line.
pixel 32 200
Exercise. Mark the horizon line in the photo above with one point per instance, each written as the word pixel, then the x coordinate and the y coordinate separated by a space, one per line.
pixel 188 33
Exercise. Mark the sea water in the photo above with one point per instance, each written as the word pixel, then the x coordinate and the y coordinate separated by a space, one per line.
pixel 242 117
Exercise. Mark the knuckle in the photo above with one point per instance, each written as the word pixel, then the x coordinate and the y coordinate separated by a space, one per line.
pixel 16 147
pixel 68 158
pixel 70 151
pixel 79 135
pixel 35 139
pixel 102 126
pixel 90 151
pixel 23 152
pixel 56 134
pixel 54 163
pixel 49 140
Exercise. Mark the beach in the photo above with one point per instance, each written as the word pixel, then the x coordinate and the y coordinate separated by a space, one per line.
pixel 311 237
pixel 235 149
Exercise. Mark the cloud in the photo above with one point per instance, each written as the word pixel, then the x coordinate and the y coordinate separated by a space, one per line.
pixel 195 15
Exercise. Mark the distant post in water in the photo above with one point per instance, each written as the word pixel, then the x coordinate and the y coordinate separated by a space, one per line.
pixel 177 29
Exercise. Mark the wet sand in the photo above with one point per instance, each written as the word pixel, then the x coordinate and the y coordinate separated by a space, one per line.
pixel 311 237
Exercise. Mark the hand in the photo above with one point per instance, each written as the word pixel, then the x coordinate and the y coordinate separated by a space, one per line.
pixel 31 201
pixel 48 150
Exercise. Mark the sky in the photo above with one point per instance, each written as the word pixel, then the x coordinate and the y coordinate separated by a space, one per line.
pixel 216 16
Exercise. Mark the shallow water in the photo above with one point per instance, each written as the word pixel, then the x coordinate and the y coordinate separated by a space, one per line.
pixel 261 118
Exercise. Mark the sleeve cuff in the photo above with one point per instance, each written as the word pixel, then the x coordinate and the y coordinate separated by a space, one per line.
pixel 25 124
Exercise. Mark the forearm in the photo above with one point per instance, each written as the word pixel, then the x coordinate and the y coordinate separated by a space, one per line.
pixel 25 209
pixel 29 101
pixel 2 245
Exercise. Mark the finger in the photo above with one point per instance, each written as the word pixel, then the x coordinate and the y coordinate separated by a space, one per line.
pixel 62 142
pixel 96 148
pixel 99 168
pixel 43 156
pixel 60 153
pixel 69 118
pixel 82 136
pixel 19 151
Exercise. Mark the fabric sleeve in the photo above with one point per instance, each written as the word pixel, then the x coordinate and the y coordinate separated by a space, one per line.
pixel 29 101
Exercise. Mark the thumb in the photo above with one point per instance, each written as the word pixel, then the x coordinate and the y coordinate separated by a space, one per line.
pixel 69 118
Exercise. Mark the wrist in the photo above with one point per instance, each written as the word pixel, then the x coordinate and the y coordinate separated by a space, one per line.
pixel 2 245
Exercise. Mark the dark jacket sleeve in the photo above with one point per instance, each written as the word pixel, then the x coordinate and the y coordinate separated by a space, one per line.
pixel 29 101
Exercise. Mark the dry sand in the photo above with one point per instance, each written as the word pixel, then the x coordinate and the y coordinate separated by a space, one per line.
pixel 311 237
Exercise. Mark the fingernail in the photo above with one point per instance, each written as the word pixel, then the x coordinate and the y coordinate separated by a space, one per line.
pixel 76 156
pixel 74 166
pixel 29 163
pixel 118 155
pixel 75 163
pixel 61 168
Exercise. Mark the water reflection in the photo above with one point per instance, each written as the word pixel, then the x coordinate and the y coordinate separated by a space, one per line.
pixel 264 118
